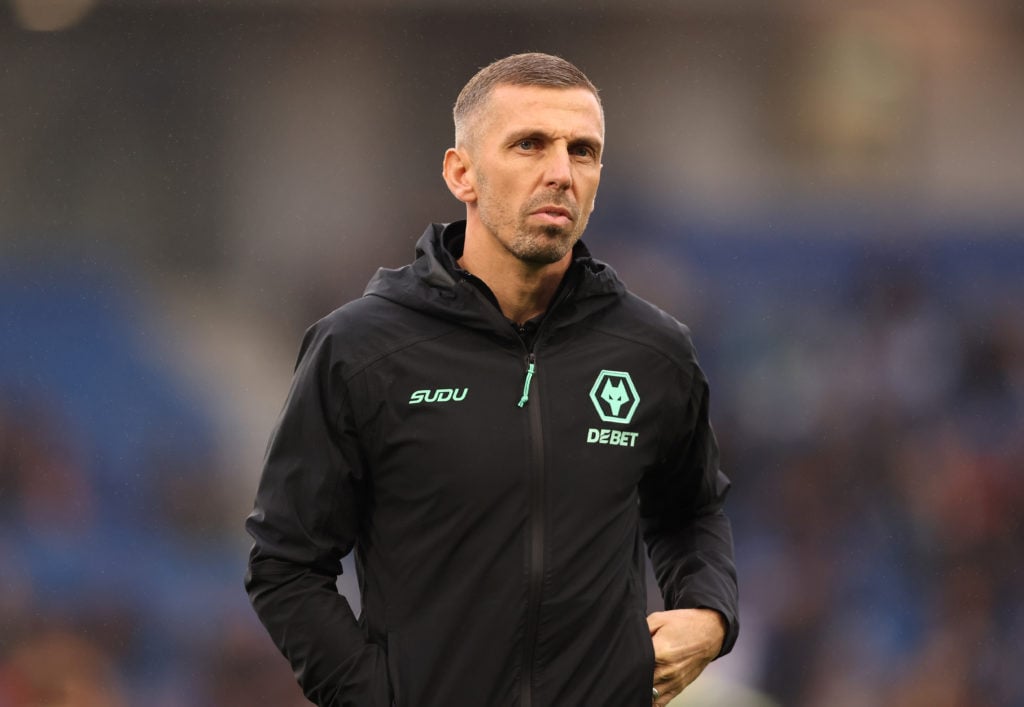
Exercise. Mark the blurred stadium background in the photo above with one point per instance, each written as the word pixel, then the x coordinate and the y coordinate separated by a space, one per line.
pixel 830 193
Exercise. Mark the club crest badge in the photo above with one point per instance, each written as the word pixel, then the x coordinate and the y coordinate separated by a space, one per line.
pixel 614 397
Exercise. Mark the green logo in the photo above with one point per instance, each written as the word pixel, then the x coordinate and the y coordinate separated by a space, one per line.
pixel 614 396
pixel 440 395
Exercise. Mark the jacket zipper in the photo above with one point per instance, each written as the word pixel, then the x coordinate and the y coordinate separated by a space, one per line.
pixel 537 532
pixel 536 519
pixel 530 368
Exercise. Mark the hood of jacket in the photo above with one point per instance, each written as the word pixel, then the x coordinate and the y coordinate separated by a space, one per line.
pixel 434 283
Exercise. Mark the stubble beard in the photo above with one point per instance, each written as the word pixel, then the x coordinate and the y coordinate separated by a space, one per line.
pixel 536 245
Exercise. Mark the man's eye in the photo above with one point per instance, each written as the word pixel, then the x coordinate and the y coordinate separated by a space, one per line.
pixel 526 144
pixel 583 151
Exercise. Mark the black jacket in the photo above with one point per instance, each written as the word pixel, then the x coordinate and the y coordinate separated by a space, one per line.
pixel 497 486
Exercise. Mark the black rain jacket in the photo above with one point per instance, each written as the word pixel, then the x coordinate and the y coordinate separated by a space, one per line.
pixel 497 487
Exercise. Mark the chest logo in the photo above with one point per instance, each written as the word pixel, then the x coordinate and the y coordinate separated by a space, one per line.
pixel 614 396
pixel 439 395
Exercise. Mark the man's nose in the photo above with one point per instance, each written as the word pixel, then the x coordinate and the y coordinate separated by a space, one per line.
pixel 558 169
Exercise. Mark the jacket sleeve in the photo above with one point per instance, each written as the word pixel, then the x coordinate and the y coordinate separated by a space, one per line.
pixel 688 535
pixel 305 519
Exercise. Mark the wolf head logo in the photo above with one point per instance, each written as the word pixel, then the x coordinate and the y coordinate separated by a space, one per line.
pixel 615 395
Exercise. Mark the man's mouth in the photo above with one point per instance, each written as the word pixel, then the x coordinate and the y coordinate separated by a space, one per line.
pixel 556 215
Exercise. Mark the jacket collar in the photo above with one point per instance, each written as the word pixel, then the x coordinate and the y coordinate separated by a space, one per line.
pixel 435 283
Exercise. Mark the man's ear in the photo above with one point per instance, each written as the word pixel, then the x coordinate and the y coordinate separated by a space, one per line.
pixel 458 175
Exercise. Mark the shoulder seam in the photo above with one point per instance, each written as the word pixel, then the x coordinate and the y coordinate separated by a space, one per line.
pixel 395 349
pixel 675 360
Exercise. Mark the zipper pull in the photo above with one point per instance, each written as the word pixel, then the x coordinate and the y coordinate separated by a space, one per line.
pixel 529 377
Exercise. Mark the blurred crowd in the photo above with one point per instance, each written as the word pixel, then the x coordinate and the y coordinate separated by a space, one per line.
pixel 870 410
pixel 875 432
pixel 121 560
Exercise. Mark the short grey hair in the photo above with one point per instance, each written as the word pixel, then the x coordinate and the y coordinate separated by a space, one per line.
pixel 530 69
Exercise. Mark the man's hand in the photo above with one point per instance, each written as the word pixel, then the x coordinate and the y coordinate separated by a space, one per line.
pixel 685 641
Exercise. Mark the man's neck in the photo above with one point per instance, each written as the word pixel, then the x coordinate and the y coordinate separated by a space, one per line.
pixel 523 290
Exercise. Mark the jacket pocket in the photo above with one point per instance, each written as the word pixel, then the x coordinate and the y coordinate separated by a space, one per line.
pixel 647 652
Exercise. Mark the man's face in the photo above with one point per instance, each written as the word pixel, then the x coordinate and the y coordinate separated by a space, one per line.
pixel 536 156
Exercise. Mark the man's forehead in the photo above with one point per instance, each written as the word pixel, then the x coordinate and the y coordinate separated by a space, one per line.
pixel 575 107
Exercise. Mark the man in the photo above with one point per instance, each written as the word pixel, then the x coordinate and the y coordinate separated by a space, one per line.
pixel 496 430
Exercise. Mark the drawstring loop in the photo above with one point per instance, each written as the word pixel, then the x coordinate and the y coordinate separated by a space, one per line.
pixel 526 384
